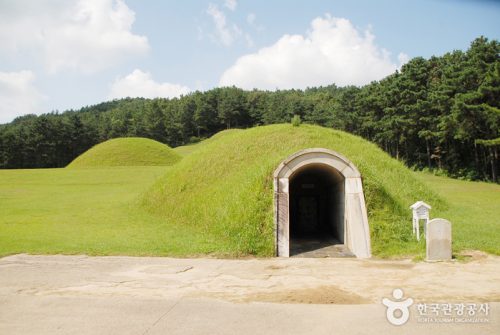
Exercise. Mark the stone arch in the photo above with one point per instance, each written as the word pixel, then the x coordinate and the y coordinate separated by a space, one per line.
pixel 355 219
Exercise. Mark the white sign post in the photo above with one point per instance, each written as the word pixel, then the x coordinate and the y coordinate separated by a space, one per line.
pixel 420 211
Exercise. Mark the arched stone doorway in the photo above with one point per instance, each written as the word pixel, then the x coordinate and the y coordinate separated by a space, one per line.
pixel 319 193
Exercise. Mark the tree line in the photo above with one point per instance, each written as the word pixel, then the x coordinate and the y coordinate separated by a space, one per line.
pixel 438 113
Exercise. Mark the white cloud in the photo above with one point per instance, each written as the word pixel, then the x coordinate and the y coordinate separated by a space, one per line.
pixel 18 95
pixel 224 33
pixel 80 35
pixel 333 51
pixel 231 4
pixel 251 18
pixel 141 84
pixel 403 58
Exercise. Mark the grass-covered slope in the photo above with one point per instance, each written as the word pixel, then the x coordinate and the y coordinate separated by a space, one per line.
pixel 188 149
pixel 223 189
pixel 127 151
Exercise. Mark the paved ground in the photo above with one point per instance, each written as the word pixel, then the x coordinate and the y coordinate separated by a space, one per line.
pixel 131 295
pixel 318 248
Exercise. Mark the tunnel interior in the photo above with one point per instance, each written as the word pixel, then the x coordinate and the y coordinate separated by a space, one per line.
pixel 316 208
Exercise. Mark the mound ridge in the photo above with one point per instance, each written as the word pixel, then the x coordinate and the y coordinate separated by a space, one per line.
pixel 223 190
pixel 127 151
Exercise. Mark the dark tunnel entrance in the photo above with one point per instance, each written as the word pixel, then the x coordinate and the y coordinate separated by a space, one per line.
pixel 316 209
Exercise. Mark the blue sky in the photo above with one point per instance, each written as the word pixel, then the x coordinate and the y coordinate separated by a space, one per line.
pixel 61 54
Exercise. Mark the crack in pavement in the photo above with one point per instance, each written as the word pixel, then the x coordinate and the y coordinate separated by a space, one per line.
pixel 161 317
pixel 185 270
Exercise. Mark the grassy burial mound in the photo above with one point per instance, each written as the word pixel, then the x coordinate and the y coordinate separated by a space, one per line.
pixel 223 190
pixel 128 151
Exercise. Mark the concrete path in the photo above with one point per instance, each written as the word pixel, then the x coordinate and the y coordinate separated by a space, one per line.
pixel 132 295
pixel 318 248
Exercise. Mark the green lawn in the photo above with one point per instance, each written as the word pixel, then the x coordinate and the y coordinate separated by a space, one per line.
pixel 90 211
pixel 474 211
pixel 94 212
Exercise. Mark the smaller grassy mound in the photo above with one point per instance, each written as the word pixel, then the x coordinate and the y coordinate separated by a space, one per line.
pixel 129 151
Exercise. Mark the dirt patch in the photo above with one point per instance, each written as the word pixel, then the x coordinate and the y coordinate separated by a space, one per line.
pixel 275 267
pixel 315 295
pixel 388 265
pixel 471 255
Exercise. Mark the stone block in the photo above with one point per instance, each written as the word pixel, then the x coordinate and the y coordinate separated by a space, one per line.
pixel 438 240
